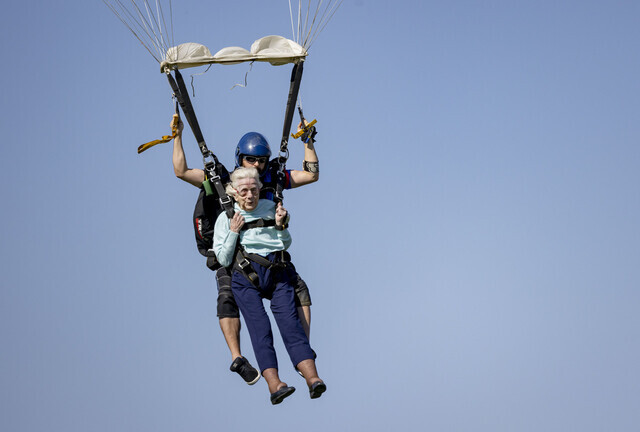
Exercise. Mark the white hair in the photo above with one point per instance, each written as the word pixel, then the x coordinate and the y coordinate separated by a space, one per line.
pixel 241 174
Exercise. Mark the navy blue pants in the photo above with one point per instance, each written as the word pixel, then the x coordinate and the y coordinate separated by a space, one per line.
pixel 276 285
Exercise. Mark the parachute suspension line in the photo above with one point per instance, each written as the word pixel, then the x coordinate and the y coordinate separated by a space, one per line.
pixel 306 18
pixel 150 28
pixel 140 25
pixel 173 43
pixel 130 27
pixel 300 18
pixel 293 32
pixel 327 14
pixel 313 22
pixel 305 33
pixel 162 43
pixel 165 37
pixel 149 21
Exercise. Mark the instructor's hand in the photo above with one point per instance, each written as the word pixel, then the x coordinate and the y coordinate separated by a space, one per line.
pixel 177 122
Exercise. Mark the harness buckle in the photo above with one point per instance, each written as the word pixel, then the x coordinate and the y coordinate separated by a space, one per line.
pixel 244 264
pixel 208 158
pixel 225 200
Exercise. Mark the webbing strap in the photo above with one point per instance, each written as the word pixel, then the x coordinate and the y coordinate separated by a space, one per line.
pixel 243 261
pixel 181 93
pixel 210 160
pixel 294 87
pixel 244 266
pixel 224 199
pixel 258 223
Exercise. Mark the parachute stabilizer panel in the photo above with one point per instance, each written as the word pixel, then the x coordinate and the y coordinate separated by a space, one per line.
pixel 276 50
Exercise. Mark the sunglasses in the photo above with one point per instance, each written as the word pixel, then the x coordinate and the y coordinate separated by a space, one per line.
pixel 253 159
pixel 245 191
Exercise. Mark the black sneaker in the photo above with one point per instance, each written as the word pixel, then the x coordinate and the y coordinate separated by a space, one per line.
pixel 243 368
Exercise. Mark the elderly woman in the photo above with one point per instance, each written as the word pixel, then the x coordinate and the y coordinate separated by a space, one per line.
pixel 260 271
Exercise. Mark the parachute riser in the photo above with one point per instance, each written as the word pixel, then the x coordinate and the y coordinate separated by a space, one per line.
pixel 294 88
pixel 212 177
pixel 182 95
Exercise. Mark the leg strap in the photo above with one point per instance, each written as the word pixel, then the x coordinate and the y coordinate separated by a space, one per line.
pixel 243 264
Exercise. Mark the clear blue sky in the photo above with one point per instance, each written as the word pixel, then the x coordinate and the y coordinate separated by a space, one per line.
pixel 472 247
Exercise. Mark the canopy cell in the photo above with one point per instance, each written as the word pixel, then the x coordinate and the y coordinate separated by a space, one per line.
pixel 276 50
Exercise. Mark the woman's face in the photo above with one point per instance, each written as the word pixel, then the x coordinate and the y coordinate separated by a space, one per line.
pixel 247 194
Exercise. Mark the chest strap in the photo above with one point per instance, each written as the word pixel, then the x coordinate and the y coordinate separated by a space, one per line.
pixel 258 223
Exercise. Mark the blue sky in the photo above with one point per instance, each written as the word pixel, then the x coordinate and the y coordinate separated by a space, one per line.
pixel 472 247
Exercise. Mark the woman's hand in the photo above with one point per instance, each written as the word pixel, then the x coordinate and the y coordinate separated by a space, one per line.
pixel 281 215
pixel 236 222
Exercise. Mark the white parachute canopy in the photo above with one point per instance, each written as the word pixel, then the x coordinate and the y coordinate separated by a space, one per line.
pixel 276 50
pixel 151 23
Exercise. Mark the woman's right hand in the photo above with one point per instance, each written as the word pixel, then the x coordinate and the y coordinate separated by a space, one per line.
pixel 236 222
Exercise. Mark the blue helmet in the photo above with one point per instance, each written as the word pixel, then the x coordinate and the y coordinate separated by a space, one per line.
pixel 252 144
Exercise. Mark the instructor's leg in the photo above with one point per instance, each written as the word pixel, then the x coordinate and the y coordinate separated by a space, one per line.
pixel 231 331
pixel 228 313
pixel 303 302
pixel 229 318
pixel 304 314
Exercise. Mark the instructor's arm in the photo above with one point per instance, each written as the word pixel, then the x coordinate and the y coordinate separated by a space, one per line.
pixel 190 175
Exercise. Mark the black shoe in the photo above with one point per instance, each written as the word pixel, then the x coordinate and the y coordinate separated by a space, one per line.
pixel 248 373
pixel 281 394
pixel 316 389
pixel 315 356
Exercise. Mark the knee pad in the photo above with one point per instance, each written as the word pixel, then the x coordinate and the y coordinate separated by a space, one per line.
pixel 227 306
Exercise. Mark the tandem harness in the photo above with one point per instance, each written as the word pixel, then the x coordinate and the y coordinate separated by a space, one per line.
pixel 215 172
pixel 243 259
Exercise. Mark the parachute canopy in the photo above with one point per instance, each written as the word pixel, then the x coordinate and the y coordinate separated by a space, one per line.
pixel 276 50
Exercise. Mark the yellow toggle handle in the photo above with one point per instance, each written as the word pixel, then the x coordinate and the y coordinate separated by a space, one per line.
pixel 165 138
pixel 303 130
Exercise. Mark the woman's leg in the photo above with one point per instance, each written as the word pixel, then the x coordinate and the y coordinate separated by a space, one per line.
pixel 294 338
pixel 273 380
pixel 286 316
pixel 258 324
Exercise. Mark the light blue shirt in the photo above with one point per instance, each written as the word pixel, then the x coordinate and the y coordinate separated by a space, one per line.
pixel 261 241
